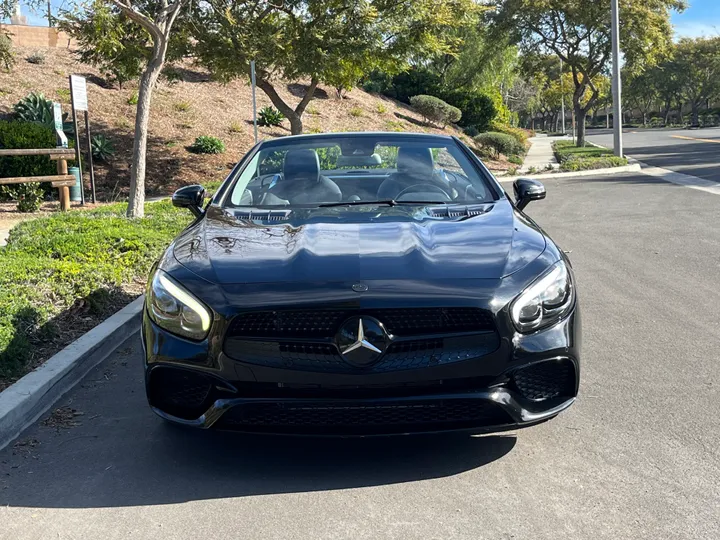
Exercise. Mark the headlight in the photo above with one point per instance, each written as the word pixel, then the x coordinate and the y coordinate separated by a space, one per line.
pixel 545 301
pixel 173 308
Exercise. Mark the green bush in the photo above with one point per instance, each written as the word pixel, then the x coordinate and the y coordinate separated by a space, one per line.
pixel 516 160
pixel 102 148
pixel 499 143
pixel 38 57
pixel 566 150
pixel 478 110
pixel 270 116
pixel 15 135
pixel 208 145
pixel 585 164
pixel 52 262
pixel 471 131
pixel 413 82
pixel 520 135
pixel 7 55
pixel 133 99
pixel 435 109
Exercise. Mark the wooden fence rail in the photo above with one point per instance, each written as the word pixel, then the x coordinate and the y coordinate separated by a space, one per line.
pixel 62 180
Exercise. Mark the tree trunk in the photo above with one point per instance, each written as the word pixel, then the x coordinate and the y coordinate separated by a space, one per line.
pixel 666 112
pixel 580 121
pixel 695 113
pixel 136 202
pixel 607 118
pixel 679 113
pixel 644 118
pixel 293 115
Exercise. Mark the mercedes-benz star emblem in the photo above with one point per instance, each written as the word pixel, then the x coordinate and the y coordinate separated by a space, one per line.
pixel 362 340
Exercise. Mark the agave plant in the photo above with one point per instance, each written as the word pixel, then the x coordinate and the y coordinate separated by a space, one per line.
pixel 35 107
pixel 102 148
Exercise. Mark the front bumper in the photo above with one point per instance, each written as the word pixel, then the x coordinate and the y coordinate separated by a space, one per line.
pixel 478 395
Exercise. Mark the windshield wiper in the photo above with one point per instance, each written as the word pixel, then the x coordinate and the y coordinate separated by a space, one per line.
pixel 388 202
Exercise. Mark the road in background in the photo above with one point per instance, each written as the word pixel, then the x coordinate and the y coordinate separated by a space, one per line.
pixel 694 152
pixel 638 455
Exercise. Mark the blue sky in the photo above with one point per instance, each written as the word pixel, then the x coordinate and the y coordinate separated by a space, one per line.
pixel 702 18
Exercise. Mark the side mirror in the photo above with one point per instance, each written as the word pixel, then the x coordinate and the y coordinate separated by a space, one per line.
pixel 190 197
pixel 527 190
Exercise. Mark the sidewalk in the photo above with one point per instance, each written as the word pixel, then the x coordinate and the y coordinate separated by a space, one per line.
pixel 540 154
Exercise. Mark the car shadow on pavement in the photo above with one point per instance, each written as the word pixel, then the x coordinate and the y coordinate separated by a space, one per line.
pixel 118 453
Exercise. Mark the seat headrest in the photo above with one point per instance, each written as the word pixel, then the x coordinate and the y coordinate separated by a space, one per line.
pixel 415 161
pixel 301 165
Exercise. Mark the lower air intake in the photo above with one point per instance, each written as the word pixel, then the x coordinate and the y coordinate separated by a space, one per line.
pixel 546 380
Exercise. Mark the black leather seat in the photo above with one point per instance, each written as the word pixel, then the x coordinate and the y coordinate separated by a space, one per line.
pixel 301 181
pixel 414 166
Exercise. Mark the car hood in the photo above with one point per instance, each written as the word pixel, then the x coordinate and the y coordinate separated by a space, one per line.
pixel 396 243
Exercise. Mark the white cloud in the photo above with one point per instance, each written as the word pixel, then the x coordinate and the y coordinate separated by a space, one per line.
pixel 695 29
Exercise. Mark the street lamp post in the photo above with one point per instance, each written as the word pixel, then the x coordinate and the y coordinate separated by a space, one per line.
pixel 616 83
pixel 562 96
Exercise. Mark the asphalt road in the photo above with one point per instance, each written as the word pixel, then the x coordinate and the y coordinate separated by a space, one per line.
pixel 693 152
pixel 638 456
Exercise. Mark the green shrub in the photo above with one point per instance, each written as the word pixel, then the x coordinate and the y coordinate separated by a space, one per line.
pixel 51 262
pixel 236 127
pixel 38 57
pixel 270 116
pixel 208 145
pixel 182 106
pixel 567 150
pixel 7 55
pixel 520 135
pixel 435 109
pixel 313 110
pixel 471 131
pixel 591 163
pixel 516 160
pixel 102 148
pixel 314 129
pixel 15 135
pixel 133 99
pixel 381 108
pixel 499 143
pixel 63 94
pixel 356 112
pixel 478 110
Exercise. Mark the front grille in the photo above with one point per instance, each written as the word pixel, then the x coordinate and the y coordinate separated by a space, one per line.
pixel 181 393
pixel 546 380
pixel 316 323
pixel 325 357
pixel 333 417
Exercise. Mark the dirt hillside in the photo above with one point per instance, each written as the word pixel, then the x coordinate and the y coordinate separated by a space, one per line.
pixel 186 109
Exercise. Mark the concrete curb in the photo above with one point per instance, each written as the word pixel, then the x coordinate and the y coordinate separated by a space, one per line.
pixel 29 398
pixel 635 167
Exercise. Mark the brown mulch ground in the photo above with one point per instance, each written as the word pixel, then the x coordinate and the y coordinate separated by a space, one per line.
pixel 184 110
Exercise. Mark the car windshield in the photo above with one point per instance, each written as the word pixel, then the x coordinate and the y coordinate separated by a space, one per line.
pixel 357 170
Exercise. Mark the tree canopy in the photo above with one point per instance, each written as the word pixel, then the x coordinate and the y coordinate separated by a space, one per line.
pixel 331 41
pixel 578 32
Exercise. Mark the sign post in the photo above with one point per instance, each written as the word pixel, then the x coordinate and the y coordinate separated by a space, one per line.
pixel 62 141
pixel 73 100
pixel 78 93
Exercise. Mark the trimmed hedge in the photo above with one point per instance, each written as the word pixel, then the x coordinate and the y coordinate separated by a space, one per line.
pixel 499 143
pixel 435 109
pixel 478 110
pixel 588 164
pixel 78 259
pixel 18 135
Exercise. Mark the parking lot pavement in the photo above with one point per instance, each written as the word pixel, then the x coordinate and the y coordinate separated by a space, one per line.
pixel 638 456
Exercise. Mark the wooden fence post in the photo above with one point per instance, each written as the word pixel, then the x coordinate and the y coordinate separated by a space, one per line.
pixel 62 168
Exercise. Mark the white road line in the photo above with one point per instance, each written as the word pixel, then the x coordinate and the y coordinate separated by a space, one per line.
pixel 692 182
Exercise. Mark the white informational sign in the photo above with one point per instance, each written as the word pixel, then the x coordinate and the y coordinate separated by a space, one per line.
pixel 79 93
pixel 57 114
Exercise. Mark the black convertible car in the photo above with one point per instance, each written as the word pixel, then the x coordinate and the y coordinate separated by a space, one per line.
pixel 361 284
